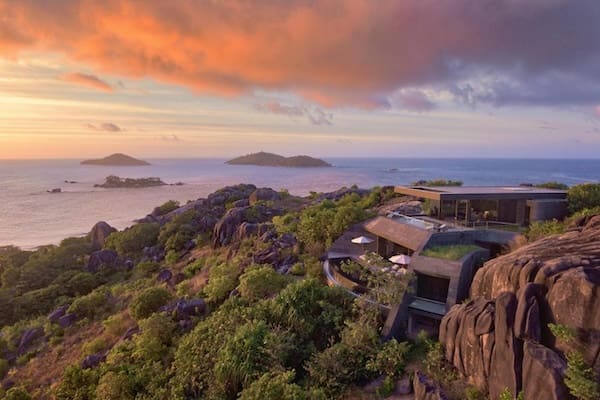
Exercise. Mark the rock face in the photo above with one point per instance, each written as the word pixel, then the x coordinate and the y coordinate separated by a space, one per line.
pixel 100 258
pixel 501 339
pixel 99 233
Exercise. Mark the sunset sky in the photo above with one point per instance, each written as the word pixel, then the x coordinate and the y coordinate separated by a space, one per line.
pixel 413 78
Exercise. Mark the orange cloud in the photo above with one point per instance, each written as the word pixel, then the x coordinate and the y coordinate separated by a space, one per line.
pixel 87 80
pixel 335 52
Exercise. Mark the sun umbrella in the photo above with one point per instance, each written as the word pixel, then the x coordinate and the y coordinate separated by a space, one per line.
pixel 362 240
pixel 400 259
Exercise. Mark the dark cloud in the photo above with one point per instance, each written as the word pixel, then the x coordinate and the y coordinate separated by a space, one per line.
pixel 87 80
pixel 105 126
pixel 315 115
pixel 413 100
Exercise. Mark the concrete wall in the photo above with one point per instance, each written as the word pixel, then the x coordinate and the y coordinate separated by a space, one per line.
pixel 543 210
pixel 470 263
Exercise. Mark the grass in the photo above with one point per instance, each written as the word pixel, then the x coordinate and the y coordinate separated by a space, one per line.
pixel 450 252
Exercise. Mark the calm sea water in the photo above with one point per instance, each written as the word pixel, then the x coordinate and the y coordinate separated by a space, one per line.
pixel 29 216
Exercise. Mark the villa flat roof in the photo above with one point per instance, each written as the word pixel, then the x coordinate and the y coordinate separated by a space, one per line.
pixel 481 192
pixel 400 233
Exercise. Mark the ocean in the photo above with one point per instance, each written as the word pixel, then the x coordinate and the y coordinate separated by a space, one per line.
pixel 30 216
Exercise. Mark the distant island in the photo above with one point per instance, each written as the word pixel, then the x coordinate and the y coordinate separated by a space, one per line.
pixel 114 181
pixel 119 159
pixel 275 160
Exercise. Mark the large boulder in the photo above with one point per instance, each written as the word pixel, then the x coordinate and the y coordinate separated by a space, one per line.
pixel 263 194
pixel 101 258
pixel 67 320
pixel 27 339
pixel 426 389
pixel 230 194
pixel 507 357
pixel 55 315
pixel 228 225
pixel 164 276
pixel 99 233
pixel 543 373
pixel 555 280
pixel 247 229
pixel 93 360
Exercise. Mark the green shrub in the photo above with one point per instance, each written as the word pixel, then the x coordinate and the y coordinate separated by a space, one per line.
pixel 274 386
pixel 145 269
pixel 177 232
pixel 540 229
pixel 4 367
pixel 148 302
pixel 82 283
pixel 472 393
pixel 113 385
pixel 552 185
pixel 91 305
pixel 390 360
pixel 387 387
pixel 172 257
pixel 345 362
pixel 314 269
pixel 193 268
pixel 166 208
pixel 298 269
pixel 115 324
pixel 133 240
pixel 244 358
pixel 562 332
pixel 223 278
pixel 17 393
pixel 77 384
pixel 436 365
pixel 437 182
pixel 580 378
pixel 586 195
pixel 260 282
pixel 95 346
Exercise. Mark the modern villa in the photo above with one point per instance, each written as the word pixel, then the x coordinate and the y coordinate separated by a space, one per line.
pixel 463 228
pixel 481 205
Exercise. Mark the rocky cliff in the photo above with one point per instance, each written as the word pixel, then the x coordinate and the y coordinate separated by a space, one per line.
pixel 500 338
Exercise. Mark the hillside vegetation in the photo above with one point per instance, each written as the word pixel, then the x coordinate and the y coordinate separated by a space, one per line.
pixel 221 298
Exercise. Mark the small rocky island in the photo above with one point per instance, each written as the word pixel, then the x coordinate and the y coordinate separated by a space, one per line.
pixel 117 159
pixel 114 181
pixel 275 160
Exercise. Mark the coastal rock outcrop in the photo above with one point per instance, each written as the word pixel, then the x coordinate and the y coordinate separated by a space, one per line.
pixel 263 194
pixel 99 233
pixel 500 339
pixel 228 225
pixel 229 194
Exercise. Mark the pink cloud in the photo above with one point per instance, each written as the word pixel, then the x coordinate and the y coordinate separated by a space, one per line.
pixel 335 52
